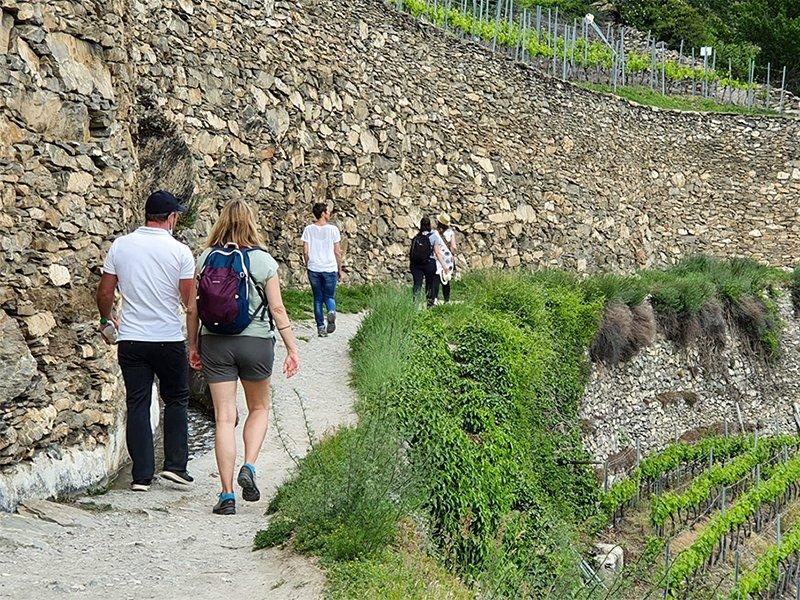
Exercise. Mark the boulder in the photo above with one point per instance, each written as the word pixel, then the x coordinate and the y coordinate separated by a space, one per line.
pixel 610 560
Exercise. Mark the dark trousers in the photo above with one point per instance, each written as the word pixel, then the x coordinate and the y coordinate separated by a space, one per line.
pixel 446 291
pixel 140 363
pixel 323 287
pixel 426 271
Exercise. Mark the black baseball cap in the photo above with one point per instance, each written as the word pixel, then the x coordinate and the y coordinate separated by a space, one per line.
pixel 163 203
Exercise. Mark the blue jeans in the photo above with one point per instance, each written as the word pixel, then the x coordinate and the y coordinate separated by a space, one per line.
pixel 323 286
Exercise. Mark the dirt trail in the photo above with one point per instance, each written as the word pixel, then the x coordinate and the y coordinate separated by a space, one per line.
pixel 166 544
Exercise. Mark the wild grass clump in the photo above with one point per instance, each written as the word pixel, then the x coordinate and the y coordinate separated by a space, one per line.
pixel 347 496
pixel 691 302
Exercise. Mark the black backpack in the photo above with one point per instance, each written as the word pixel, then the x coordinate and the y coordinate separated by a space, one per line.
pixel 421 248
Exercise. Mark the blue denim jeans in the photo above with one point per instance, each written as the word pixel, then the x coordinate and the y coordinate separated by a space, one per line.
pixel 323 286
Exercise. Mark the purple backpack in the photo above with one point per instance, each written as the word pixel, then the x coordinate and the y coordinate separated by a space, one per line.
pixel 223 291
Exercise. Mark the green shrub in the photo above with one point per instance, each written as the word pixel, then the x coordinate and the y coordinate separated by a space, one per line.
pixel 347 496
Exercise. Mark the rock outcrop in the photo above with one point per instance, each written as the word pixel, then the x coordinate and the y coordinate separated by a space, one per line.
pixel 102 100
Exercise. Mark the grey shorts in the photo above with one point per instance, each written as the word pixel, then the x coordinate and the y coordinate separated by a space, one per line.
pixel 232 357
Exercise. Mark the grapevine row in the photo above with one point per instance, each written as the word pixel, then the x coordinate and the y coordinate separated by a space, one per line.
pixel 670 504
pixel 675 455
pixel 767 570
pixel 596 53
pixel 781 484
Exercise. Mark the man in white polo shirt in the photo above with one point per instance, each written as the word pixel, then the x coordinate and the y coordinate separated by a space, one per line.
pixel 154 273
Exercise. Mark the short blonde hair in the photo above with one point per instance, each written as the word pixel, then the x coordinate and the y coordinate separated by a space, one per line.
pixel 236 225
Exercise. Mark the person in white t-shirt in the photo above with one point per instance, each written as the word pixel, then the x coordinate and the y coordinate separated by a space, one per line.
pixel 154 273
pixel 323 255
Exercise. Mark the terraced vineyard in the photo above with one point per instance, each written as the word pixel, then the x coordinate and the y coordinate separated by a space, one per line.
pixel 716 519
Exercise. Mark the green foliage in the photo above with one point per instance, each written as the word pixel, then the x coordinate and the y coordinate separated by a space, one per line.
pixel 767 570
pixel 794 287
pixel 597 53
pixel 646 96
pixel 671 458
pixel 347 496
pixel 630 290
pixel 299 303
pixel 187 220
pixel 670 504
pixel 486 395
pixel 394 575
pixel 690 560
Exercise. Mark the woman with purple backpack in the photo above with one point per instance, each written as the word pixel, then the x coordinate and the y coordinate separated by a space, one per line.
pixel 231 324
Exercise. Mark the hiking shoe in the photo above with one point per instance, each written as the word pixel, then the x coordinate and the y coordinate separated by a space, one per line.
pixel 331 321
pixel 247 479
pixel 140 486
pixel 179 477
pixel 225 506
pixel 322 332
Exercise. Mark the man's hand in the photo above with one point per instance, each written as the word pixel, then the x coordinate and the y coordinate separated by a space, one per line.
pixel 194 359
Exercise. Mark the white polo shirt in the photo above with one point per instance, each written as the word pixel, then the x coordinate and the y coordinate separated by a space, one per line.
pixel 149 263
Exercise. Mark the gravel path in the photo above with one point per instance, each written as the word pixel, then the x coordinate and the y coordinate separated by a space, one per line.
pixel 166 544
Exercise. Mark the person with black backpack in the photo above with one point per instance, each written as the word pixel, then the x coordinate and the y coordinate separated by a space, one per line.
pixel 426 250
pixel 231 325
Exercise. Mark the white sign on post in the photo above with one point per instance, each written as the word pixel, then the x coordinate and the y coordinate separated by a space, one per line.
pixel 706 51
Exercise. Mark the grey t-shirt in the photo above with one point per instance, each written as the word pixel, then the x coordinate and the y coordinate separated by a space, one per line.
pixel 262 268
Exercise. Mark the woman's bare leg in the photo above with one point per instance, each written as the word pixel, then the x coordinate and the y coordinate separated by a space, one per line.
pixel 255 427
pixel 223 395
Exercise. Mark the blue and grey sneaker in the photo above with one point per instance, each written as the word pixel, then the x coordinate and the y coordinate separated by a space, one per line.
pixel 331 321
pixel 226 504
pixel 247 479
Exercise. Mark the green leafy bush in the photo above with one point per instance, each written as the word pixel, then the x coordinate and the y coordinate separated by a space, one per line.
pixel 347 496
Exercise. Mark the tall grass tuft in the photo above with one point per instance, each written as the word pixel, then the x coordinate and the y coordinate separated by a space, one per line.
pixel 348 495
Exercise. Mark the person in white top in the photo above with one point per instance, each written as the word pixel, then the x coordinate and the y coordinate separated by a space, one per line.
pixel 323 255
pixel 448 251
pixel 154 273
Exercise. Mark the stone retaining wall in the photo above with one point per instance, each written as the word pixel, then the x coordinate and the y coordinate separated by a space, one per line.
pixel 100 101
pixel 663 394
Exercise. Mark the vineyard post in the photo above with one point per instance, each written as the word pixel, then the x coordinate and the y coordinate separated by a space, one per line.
pixel 710 457
pixel 693 81
pixel 605 477
pixel 666 569
pixel 664 76
pixel 474 20
pixel 638 462
pixel 755 438
pixel 783 88
pixel 653 65
pixel 496 25
pixel 714 70
pixel 446 14
pixel 769 65
pixel 737 569
pixel 758 473
pixel 622 52
pixel 739 416
pixel 725 426
pixel 723 499
pixel 566 53
pixel 778 529
pixel 555 41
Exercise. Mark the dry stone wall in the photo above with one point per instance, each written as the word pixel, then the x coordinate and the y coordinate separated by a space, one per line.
pixel 287 103
pixel 664 394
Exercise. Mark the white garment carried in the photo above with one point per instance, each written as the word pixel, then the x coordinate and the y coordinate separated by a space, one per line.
pixel 447 254
pixel 149 264
pixel 320 240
